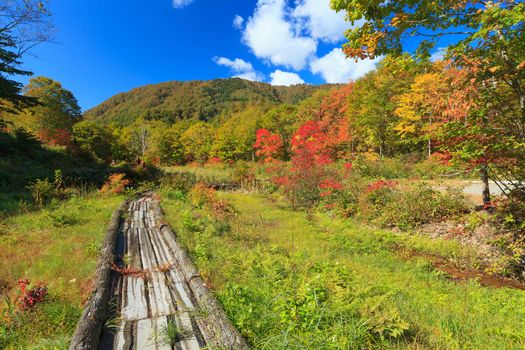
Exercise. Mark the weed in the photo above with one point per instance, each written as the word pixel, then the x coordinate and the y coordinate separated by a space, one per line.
pixel 93 249
pixel 171 333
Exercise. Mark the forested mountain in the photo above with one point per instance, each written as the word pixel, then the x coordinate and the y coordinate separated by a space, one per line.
pixel 204 100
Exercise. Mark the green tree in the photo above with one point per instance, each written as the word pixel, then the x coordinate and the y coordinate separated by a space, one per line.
pixel 197 141
pixel 235 137
pixel 97 141
pixel 372 105
pixel 386 25
pixel 143 138
pixel 57 107
pixel 171 149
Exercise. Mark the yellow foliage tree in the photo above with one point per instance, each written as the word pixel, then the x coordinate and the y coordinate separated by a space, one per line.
pixel 419 109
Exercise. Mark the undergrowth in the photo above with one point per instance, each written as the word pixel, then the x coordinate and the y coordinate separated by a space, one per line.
pixel 289 280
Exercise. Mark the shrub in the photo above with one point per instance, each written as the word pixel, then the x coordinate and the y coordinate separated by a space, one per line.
pixel 430 168
pixel 182 181
pixel 419 205
pixel 510 211
pixel 141 171
pixel 202 196
pixel 30 296
pixel 510 216
pixel 93 249
pixel 60 218
pixel 386 168
pixel 243 173
pixel 44 191
pixel 374 198
pixel 115 183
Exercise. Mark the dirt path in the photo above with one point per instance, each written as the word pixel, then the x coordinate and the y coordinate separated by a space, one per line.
pixel 156 306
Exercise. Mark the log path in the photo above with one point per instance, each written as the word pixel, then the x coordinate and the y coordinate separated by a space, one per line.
pixel 150 290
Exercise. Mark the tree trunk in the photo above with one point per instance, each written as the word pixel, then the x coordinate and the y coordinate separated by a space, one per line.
pixel 485 183
pixel 429 148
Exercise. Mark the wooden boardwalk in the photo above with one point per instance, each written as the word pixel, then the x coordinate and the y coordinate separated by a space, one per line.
pixel 150 291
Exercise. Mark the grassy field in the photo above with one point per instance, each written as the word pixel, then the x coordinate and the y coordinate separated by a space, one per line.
pixel 58 246
pixel 289 281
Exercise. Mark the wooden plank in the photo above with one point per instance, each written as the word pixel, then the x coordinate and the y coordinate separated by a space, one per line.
pixel 150 334
pixel 160 296
pixel 160 299
pixel 162 253
pixel 147 301
pixel 181 292
pixel 146 334
pixel 135 305
pixel 123 336
pixel 188 339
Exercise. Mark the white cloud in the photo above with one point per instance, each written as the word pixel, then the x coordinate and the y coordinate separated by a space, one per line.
pixel 253 76
pixel 334 67
pixel 181 3
pixel 273 37
pixel 439 54
pixel 237 65
pixel 285 78
pixel 238 21
pixel 321 21
pixel 240 67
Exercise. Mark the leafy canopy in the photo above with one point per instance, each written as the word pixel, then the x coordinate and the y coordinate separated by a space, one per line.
pixel 387 25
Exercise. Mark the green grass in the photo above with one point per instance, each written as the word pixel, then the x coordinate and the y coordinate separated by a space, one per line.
pixel 208 173
pixel 56 245
pixel 292 282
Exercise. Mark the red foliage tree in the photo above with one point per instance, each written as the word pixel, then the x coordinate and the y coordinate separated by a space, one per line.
pixel 309 177
pixel 57 137
pixel 268 145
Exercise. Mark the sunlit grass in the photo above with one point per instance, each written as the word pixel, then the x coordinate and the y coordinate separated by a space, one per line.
pixel 289 282
pixel 209 173
pixel 55 246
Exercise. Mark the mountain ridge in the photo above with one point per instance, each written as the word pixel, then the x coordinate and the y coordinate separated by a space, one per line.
pixel 172 101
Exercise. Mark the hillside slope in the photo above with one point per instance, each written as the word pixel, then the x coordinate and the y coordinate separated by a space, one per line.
pixel 172 101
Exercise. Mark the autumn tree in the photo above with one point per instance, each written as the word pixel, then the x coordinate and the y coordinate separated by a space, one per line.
pixel 420 110
pixel 268 146
pixel 197 141
pixel 171 149
pixel 333 119
pixel 56 112
pixel 372 104
pixel 93 140
pixel 488 42
pixel 235 136
pixel 284 121
pixel 143 137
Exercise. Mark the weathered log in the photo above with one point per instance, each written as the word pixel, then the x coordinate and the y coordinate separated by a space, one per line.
pixel 89 327
pixel 219 330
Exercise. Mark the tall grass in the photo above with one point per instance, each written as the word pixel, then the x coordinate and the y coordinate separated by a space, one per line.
pixel 56 245
pixel 293 281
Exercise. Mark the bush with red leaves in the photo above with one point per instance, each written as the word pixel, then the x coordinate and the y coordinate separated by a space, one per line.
pixel 30 296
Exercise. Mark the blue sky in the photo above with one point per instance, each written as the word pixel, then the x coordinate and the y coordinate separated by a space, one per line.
pixel 103 47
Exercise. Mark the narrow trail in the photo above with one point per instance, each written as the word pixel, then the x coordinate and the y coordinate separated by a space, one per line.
pixel 149 288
